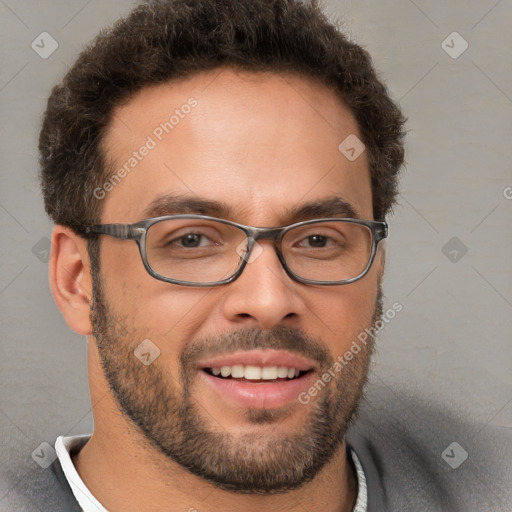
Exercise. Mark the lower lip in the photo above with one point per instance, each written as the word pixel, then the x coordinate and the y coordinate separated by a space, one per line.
pixel 260 394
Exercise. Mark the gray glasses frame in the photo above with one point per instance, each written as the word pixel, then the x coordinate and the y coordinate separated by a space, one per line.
pixel 138 232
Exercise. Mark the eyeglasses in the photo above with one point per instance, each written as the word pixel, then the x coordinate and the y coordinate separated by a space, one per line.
pixel 197 250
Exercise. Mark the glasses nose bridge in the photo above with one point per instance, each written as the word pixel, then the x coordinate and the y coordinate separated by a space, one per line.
pixel 255 234
pixel 273 234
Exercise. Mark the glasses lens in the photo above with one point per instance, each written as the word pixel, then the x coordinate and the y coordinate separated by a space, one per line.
pixel 194 250
pixel 328 250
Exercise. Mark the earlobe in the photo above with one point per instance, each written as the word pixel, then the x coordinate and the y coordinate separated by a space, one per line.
pixel 70 278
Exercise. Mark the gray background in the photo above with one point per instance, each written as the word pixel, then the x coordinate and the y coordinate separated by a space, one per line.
pixel 451 343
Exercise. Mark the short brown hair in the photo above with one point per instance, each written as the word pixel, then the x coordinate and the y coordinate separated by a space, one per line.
pixel 162 40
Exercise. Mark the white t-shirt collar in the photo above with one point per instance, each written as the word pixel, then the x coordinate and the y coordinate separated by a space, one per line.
pixel 63 447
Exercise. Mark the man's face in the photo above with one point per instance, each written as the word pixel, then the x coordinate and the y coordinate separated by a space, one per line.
pixel 262 146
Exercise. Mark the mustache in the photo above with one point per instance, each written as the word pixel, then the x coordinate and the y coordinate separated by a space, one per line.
pixel 278 338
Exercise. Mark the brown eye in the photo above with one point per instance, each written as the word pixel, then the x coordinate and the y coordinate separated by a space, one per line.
pixel 191 240
pixel 317 240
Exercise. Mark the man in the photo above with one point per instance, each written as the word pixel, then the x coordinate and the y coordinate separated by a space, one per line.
pixel 219 174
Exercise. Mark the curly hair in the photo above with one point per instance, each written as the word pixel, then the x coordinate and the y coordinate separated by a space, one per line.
pixel 163 40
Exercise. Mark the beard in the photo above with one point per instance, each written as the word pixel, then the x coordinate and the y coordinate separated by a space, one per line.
pixel 161 405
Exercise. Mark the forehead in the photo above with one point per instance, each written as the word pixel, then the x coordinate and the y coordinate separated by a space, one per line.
pixel 258 142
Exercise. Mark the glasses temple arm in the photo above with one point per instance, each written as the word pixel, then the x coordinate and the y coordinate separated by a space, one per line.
pixel 121 231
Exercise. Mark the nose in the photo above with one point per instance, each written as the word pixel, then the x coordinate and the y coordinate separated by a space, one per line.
pixel 264 295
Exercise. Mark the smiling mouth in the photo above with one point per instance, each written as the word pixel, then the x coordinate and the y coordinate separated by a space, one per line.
pixel 257 374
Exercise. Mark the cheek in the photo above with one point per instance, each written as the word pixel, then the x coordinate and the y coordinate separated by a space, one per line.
pixel 343 312
pixel 166 309
pixel 167 315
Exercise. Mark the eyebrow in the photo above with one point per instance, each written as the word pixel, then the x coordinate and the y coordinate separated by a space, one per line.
pixel 335 206
pixel 170 204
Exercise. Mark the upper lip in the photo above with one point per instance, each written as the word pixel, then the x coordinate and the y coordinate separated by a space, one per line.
pixel 259 358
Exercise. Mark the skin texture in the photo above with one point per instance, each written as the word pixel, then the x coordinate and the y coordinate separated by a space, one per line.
pixel 262 144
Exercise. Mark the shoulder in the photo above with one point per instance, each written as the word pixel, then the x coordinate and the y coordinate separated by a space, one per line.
pixel 41 489
pixel 419 456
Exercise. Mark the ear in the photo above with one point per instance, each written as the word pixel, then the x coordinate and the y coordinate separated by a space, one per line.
pixel 70 278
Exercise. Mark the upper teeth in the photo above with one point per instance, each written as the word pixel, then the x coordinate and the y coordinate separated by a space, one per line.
pixel 239 371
